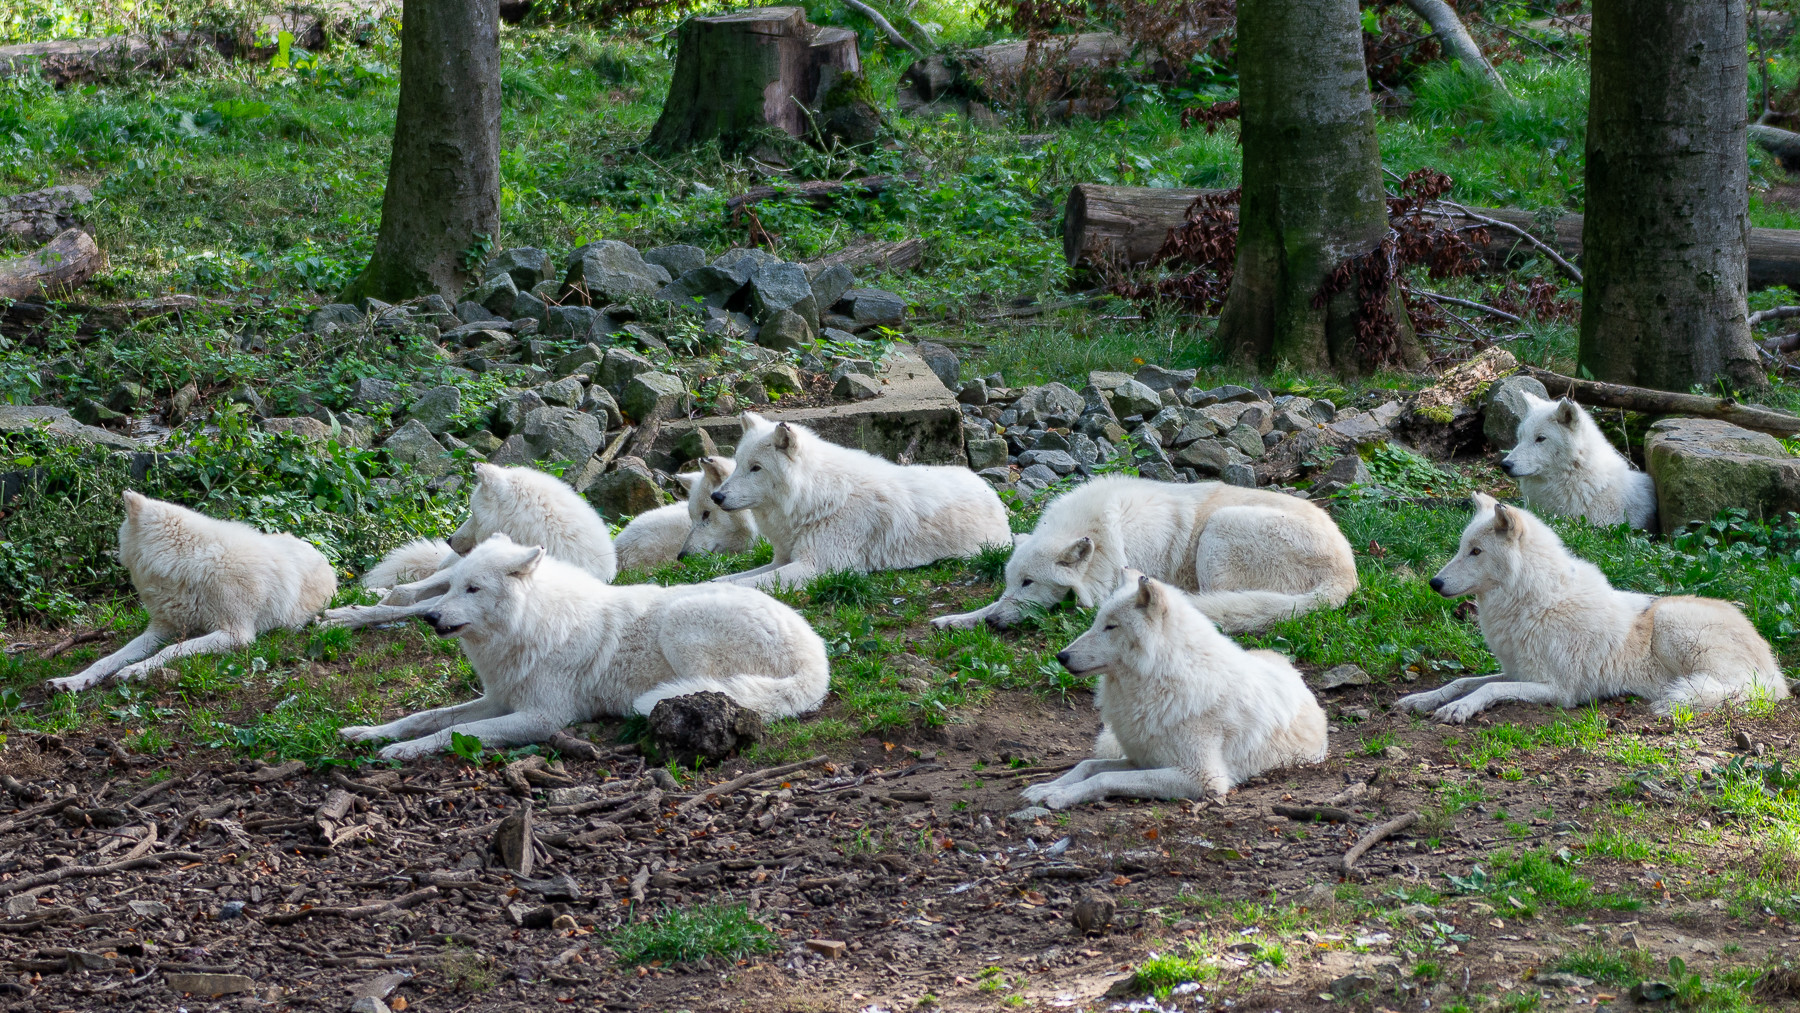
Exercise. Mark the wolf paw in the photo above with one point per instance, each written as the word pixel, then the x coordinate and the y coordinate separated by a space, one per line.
pixel 1457 712
pixel 340 617
pixel 360 733
pixel 965 621
pixel 69 684
pixel 1038 792
pixel 408 750
pixel 1417 702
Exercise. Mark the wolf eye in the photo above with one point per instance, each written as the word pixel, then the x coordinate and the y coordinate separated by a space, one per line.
pixel 1475 550
pixel 704 514
pixel 1110 626
pixel 1025 583
pixel 472 589
pixel 1541 439
pixel 758 467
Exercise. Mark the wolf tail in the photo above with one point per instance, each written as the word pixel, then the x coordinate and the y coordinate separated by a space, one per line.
pixel 770 696
pixel 416 560
pixel 1253 611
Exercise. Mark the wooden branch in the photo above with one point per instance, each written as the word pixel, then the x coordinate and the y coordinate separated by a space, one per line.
pixel 1783 144
pixel 399 903
pixel 1659 402
pixel 1472 304
pixel 1541 246
pixel 885 26
pixel 1778 313
pixel 1454 36
pixel 901 255
pixel 1376 836
pixel 1781 344
pixel 80 871
pixel 570 745
pixel 721 790
pixel 62 266
pixel 819 192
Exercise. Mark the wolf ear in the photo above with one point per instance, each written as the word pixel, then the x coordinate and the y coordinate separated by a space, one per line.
pixel 717 469
pixel 1482 501
pixel 784 438
pixel 1150 596
pixel 134 504
pixel 752 422
pixel 1019 538
pixel 489 474
pixel 1566 412
pixel 527 561
pixel 687 479
pixel 1506 520
pixel 1077 553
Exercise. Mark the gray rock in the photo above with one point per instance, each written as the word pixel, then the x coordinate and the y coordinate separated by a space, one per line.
pixel 91 412
pixel 870 306
pixel 1362 427
pixel 626 491
pixel 249 396
pixel 578 358
pixel 705 727
pixel 1052 400
pixel 618 366
pixel 830 284
pixel 1233 392
pixel 695 444
pixel 1029 813
pixel 57 424
pixel 783 330
pixel 128 397
pixel 526 265
pixel 561 434
pixel 973 393
pixel 510 411
pixel 195 983
pixel 988 452
pixel 1558 979
pixel 413 444
pixel 943 362
pixel 843 367
pixel 436 409
pixel 997 476
pixel 706 286
pixel 778 287
pixel 1505 408
pixel 514 451
pixel 484 442
pixel 1207 457
pixel 471 312
pixel 1239 474
pixel 1344 472
pixel 372 394
pixel 566 392
pixel 1085 450
pixel 1197 427
pixel 1353 984
pixel 1059 461
pixel 780 378
pixel 744 260
pixel 1050 440
pixel 597 400
pixel 654 395
pixel 1290 421
pixel 1258 417
pixel 1158 471
pixel 301 426
pixel 677 259
pixel 1341 675
pixel 1703 466
pixel 583 323
pixel 611 271
pixel 1038 475
pixel 335 314
pixel 751 391
pixel 529 306
pixel 1106 380
pixel 1133 398
pixel 1159 379
pixel 1246 439
pixel 496 295
pixel 856 387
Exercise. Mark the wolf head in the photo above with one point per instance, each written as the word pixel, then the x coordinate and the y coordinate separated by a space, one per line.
pixel 490 489
pixel 765 458
pixel 1489 556
pixel 712 527
pixel 1552 436
pixel 1126 622
pixel 1044 569
pixel 485 588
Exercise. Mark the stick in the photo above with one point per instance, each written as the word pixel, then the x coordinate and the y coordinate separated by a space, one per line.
pixel 571 745
pixel 1542 247
pixel 1778 313
pixel 1376 836
pixel 401 902
pixel 154 790
pixel 1314 813
pixel 1640 399
pixel 79 638
pixel 1781 344
pixel 79 871
pixel 887 28
pixel 741 780
pixel 1472 304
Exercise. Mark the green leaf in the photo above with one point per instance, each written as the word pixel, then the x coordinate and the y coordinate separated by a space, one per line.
pixel 466 746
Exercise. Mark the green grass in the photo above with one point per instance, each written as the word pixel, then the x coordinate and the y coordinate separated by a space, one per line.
pixel 1164 971
pixel 690 933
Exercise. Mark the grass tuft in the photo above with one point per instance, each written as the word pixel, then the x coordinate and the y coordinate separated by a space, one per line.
pixel 709 930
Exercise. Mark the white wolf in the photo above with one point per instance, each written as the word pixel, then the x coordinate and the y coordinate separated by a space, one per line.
pixel 1191 711
pixel 1252 556
pixel 198 575
pixel 530 506
pixel 1566 468
pixel 1563 636
pixel 824 507
pixel 698 525
pixel 554 646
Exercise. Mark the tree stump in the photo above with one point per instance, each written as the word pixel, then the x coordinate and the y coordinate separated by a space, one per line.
pixel 763 67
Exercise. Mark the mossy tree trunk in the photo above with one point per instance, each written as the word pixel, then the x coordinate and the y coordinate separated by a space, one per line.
pixel 1665 240
pixel 1312 187
pixel 443 184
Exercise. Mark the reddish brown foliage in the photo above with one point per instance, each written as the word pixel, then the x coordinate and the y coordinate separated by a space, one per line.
pixel 1208 242
pixel 1211 116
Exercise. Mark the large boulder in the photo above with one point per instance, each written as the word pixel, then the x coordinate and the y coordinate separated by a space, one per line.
pixel 871 306
pixel 1051 401
pixel 611 271
pixel 830 283
pixel 677 259
pixel 618 366
pixel 1703 466
pixel 785 330
pixel 710 286
pixel 526 265
pixel 777 287
pixel 1504 408
pixel 562 434
pixel 654 395
pixel 413 444
pixel 943 362
pixel 437 409
pixel 496 295
pixel 626 491
pixel 58 425
pixel 705 727
pixel 583 323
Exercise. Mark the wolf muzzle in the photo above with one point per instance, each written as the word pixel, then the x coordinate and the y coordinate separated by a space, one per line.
pixel 437 624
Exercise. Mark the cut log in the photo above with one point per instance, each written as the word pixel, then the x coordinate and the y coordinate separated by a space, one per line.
pixel 746 70
pixel 60 267
pixel 1129 223
pixel 65 61
pixel 1660 402
pixel 35 218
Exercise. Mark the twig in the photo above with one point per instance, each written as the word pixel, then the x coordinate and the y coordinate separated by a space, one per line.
pixel 571 745
pixel 1553 53
pixel 154 790
pixel 79 638
pixel 1778 313
pixel 887 28
pixel 720 790
pixel 1471 304
pixel 401 902
pixel 79 871
pixel 1029 771
pixel 1543 247
pixel 1376 836
pixel 1314 814
pixel 41 810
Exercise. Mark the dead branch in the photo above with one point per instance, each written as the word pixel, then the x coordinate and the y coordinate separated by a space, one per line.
pixel 1661 402
pixel 400 903
pixel 80 871
pixel 1471 304
pixel 1778 313
pixel 1541 246
pixel 1314 813
pixel 1454 36
pixel 885 26
pixel 722 790
pixel 1376 836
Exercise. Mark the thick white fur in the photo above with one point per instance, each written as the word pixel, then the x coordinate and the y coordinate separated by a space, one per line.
pixel 198 575
pixel 1187 710
pixel 698 525
pixel 1563 636
pixel 554 646
pixel 527 505
pixel 1566 468
pixel 824 507
pixel 1251 557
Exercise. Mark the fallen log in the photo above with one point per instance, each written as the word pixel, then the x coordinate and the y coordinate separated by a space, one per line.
pixel 1662 402
pixel 901 255
pixel 63 265
pixel 1455 39
pixel 819 192
pixel 35 218
pixel 1127 224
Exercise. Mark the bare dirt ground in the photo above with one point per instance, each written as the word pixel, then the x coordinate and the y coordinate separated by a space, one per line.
pixel 313 885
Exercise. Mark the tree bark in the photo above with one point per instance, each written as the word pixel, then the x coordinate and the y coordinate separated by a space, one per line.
pixel 60 267
pixel 739 72
pixel 1455 38
pixel 443 184
pixel 1129 224
pixel 1312 195
pixel 1668 219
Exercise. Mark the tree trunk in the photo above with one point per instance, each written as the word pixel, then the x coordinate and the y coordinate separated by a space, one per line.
pixel 1312 195
pixel 59 268
pixel 743 71
pixel 443 184
pixel 1127 224
pixel 1668 227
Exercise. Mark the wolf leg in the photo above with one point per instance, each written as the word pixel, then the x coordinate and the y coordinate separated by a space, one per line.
pixel 516 729
pixel 1493 693
pixel 216 642
pixel 352 617
pixel 966 620
pixel 142 646
pixel 794 574
pixel 1079 773
pixel 1163 782
pixel 1433 699
pixel 426 722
